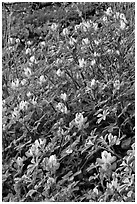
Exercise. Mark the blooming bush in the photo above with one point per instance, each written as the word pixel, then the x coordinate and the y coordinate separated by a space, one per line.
pixel 68 111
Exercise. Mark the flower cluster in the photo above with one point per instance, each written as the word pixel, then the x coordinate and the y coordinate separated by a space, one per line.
pixel 106 161
pixel 80 121
pixel 61 108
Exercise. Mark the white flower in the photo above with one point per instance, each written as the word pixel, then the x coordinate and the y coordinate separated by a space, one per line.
pixel 19 161
pixel 105 18
pixel 117 51
pixel 79 120
pixel 23 82
pixel 95 190
pixel 50 180
pixel 106 160
pixel 34 149
pixel 42 44
pixel 60 73
pixel 95 26
pixel 32 59
pixel 53 159
pixel 42 79
pixel 54 26
pixel 62 108
pixel 29 42
pixel 122 24
pixel 122 17
pixel 116 15
pixel 85 25
pixel 117 84
pixel 52 163
pixel 97 42
pixel 27 72
pixel 15 113
pixel 63 96
pixel 85 41
pixel 93 62
pixel 123 21
pixel 15 84
pixel 77 27
pixel 81 62
pixel 11 41
pixel 93 83
pixel 23 105
pixel 17 40
pixel 65 31
pixel 28 94
pixel 109 11
pixel 28 51
pixel 72 41
pixel 34 101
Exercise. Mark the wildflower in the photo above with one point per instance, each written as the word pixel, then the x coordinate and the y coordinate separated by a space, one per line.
pixel 69 151
pixel 50 181
pixel 123 21
pixel 117 51
pixel 32 59
pixel 93 83
pixel 116 15
pixel 3 102
pixel 96 54
pixel 34 101
pixel 15 113
pixel 42 79
pixel 122 24
pixel 42 44
pixel 113 139
pixel 34 150
pixel 54 26
pixel 81 62
pixel 95 26
pixel 28 51
pixel 102 116
pixel 72 41
pixel 85 41
pixel 23 105
pixel 85 26
pixel 60 73
pixel 95 190
pixel 93 62
pixel 105 18
pixel 11 41
pixel 19 161
pixel 52 163
pixel 96 42
pixel 109 11
pixel 77 27
pixel 117 84
pixel 106 160
pixel 63 96
pixel 122 17
pixel 15 84
pixel 28 94
pixel 27 72
pixel 17 40
pixel 23 82
pixel 29 42
pixel 65 31
pixel 62 108
pixel 80 120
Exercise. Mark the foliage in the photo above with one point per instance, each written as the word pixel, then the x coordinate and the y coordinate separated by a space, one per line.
pixel 69 103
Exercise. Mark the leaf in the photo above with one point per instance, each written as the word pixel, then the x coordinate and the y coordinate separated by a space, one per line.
pixel 31 192
pixel 125 144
